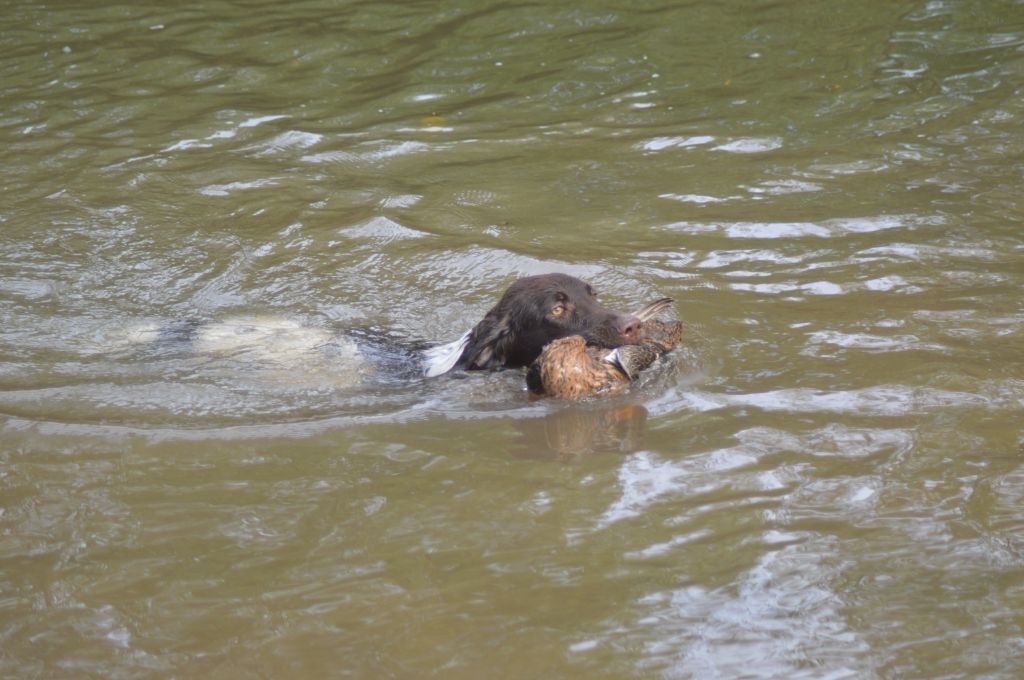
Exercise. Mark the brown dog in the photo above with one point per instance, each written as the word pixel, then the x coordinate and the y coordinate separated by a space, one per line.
pixel 534 311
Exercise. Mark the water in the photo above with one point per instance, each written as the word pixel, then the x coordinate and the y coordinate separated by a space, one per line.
pixel 824 482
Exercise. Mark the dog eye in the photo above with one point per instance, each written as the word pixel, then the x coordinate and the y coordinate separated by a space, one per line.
pixel 558 310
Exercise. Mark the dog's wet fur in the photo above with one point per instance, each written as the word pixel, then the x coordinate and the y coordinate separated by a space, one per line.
pixel 534 311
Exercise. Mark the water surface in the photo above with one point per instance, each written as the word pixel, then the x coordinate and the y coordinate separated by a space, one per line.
pixel 824 482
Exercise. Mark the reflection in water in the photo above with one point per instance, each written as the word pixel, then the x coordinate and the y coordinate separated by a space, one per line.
pixel 576 430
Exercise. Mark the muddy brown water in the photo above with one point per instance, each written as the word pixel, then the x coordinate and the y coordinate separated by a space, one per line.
pixel 223 225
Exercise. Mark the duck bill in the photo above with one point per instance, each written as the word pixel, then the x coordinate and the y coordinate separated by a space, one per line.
pixel 653 309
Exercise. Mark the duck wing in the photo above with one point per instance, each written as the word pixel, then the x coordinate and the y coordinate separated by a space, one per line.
pixel 631 359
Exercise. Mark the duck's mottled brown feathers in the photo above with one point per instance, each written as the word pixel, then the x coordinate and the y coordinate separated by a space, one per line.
pixel 665 334
pixel 570 369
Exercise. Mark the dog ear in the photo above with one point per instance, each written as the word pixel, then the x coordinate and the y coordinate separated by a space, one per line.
pixel 489 343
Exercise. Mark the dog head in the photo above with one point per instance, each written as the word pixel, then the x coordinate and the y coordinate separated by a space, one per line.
pixel 536 310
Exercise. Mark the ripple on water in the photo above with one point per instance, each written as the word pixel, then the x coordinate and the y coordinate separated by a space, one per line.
pixel 234 187
pixel 751 145
pixel 838 227
pixel 880 400
pixel 373 152
pixel 869 342
pixel 660 143
pixel 646 479
pixel 749 629
pixel 380 231
pixel 285 141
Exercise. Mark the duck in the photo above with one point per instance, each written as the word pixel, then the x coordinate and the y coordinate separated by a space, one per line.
pixel 569 368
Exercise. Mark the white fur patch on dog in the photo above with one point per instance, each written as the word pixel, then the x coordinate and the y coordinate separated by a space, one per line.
pixel 284 350
pixel 441 359
pixel 270 338
pixel 140 333
pixel 248 348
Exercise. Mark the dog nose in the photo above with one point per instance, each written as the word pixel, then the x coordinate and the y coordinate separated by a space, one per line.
pixel 629 327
